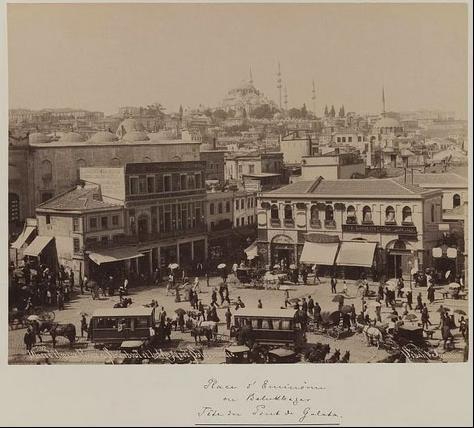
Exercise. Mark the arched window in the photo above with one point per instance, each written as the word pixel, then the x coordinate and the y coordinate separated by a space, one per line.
pixel 456 200
pixel 314 213
pixel 80 163
pixel 390 215
pixel 274 212
pixel 46 170
pixel 329 213
pixel 406 215
pixel 367 214
pixel 288 212
pixel 351 215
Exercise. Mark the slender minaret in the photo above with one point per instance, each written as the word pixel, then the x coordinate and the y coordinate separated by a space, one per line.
pixel 250 76
pixel 383 100
pixel 279 86
pixel 313 98
pixel 286 99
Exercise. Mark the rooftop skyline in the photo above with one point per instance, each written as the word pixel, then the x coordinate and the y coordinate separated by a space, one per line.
pixel 100 57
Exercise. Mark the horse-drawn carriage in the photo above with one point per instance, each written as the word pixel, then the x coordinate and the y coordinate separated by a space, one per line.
pixel 336 324
pixel 17 317
pixel 248 275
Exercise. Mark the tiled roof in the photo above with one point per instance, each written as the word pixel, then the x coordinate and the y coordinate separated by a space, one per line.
pixel 78 199
pixel 436 179
pixel 352 187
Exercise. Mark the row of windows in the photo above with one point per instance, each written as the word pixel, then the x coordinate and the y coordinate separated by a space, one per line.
pixel 349 139
pixel 103 222
pixel 239 205
pixel 175 182
pixel 351 214
pixel 220 207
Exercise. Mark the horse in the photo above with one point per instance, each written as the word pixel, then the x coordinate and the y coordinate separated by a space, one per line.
pixel 317 353
pixel 334 358
pixel 198 331
pixel 373 335
pixel 345 358
pixel 55 329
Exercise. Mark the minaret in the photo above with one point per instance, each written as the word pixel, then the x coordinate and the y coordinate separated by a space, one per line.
pixel 250 76
pixel 286 99
pixel 313 98
pixel 383 100
pixel 279 84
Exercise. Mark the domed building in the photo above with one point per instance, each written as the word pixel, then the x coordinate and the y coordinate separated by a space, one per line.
pixel 71 137
pixel 103 137
pixel 245 97
pixel 388 126
pixel 134 136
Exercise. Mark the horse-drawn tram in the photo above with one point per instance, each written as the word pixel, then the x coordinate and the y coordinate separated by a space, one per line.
pixel 270 327
pixel 119 325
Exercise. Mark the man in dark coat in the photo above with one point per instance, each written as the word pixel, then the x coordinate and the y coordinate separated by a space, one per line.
pixel 333 284
pixel 310 305
pixel 228 318
pixel 29 339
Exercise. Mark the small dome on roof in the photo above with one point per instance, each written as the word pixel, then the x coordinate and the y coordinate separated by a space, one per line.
pixel 38 137
pixel 135 136
pixel 387 122
pixel 103 137
pixel 71 137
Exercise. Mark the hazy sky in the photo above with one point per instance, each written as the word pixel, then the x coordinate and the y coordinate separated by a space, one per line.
pixel 104 56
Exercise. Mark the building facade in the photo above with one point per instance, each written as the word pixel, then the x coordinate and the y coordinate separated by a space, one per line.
pixel 40 168
pixel 395 225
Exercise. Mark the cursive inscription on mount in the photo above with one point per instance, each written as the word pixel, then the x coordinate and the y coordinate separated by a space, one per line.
pixel 265 401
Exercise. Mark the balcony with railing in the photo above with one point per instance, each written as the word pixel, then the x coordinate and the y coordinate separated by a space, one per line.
pixel 315 224
pixel 330 224
pixel 275 222
pixel 289 222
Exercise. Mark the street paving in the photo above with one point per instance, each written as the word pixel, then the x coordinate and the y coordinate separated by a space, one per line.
pixel 84 353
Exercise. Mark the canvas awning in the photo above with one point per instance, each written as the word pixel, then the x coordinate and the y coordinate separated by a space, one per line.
pixel 251 251
pixel 113 255
pixel 23 237
pixel 356 253
pixel 319 253
pixel 37 246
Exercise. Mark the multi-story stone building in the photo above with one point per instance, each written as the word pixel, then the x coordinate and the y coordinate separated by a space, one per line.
pixel 380 224
pixel 40 168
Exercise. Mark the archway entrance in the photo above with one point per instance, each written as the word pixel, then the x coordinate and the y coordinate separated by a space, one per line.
pixel 399 259
pixel 282 251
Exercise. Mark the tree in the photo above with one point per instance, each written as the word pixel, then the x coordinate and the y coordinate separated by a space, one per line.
pixel 332 113
pixel 304 111
pixel 181 112
pixel 219 114
pixel 264 111
pixel 155 109
pixel 342 112
pixel 326 111
pixel 294 113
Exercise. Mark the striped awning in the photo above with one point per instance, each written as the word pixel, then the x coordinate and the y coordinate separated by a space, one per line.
pixel 354 253
pixel 37 246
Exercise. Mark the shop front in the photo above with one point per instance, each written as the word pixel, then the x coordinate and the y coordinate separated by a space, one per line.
pixel 283 251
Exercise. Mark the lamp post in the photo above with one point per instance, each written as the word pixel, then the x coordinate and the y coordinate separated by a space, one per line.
pixel 410 264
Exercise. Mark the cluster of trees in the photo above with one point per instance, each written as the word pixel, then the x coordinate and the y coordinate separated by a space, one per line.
pixel 299 113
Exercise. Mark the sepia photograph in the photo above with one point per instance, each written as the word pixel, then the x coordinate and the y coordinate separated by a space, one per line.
pixel 238 184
